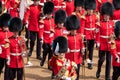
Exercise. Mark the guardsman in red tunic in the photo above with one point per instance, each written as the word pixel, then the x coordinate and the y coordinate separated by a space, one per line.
pixel 75 42
pixel 32 16
pixel 60 17
pixel 63 68
pixel 116 15
pixel 79 11
pixel 100 2
pixel 103 31
pixel 98 5
pixel 59 4
pixel 14 9
pixel 48 34
pixel 89 30
pixel 17 47
pixel 4 42
pixel 69 7
pixel 115 51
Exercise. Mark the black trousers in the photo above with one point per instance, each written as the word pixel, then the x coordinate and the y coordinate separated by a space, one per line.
pixel 2 64
pixel 14 71
pixel 27 36
pixel 46 50
pixel 78 71
pixel 116 73
pixel 90 47
pixel 102 57
pixel 33 36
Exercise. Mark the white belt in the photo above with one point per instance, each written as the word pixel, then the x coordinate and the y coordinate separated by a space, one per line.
pixel 118 52
pixel 75 50
pixel 48 32
pixel 15 54
pixel 90 29
pixel 58 6
pixel 104 36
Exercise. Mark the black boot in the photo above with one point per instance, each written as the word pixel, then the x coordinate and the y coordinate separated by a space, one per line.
pixel 90 66
pixel 97 74
pixel 31 48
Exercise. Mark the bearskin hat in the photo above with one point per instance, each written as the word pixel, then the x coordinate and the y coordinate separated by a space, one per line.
pixel 60 16
pixel 15 24
pixel 0 7
pixel 116 4
pixel 60 45
pixel 117 28
pixel 90 4
pixel 107 8
pixel 79 3
pixel 4 20
pixel 72 23
pixel 48 7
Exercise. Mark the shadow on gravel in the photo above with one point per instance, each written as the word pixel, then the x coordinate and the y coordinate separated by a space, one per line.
pixel 36 77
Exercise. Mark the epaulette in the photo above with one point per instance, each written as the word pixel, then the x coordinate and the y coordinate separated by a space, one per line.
pixel 97 16
pixel 41 21
pixel 97 23
pixel 83 17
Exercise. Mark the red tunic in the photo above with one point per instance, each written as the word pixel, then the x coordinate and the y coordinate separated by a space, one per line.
pixel 82 19
pixel 48 34
pixel 100 2
pixel 14 12
pixel 60 32
pixel 116 52
pixel 75 45
pixel 102 34
pixel 4 51
pixel 116 15
pixel 69 7
pixel 16 59
pixel 32 16
pixel 90 25
pixel 58 4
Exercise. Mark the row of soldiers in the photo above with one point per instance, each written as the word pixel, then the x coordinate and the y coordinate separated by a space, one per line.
pixel 47 22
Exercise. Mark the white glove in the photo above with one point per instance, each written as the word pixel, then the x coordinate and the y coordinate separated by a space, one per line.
pixel 8 60
pixel 67 78
pixel 117 59
pixel 51 35
pixel 83 51
pixel 98 45
pixel 0 50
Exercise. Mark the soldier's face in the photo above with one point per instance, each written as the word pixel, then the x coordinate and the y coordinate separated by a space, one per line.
pixel 49 15
pixel 36 2
pixel 78 8
pixel 61 55
pixel 90 11
pixel 60 25
pixel 73 32
pixel 16 33
pixel 106 17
